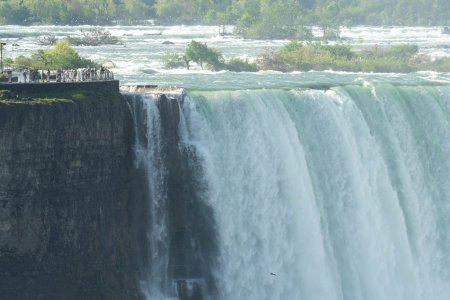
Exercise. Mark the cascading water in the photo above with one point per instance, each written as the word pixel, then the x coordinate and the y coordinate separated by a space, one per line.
pixel 149 158
pixel 311 194
pixel 178 248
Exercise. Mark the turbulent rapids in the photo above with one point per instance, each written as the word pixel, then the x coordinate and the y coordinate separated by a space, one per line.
pixel 340 193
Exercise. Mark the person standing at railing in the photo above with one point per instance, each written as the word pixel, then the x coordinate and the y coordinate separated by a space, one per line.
pixel 60 75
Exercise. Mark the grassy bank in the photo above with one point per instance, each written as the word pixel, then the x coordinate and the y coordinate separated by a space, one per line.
pixel 50 98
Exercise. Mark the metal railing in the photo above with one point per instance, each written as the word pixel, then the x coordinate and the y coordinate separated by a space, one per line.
pixel 26 75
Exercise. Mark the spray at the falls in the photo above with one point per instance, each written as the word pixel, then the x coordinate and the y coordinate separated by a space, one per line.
pixel 297 194
pixel 178 250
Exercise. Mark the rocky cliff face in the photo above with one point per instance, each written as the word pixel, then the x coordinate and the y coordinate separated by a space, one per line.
pixel 66 224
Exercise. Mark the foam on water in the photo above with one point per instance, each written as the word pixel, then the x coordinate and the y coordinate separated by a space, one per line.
pixel 140 47
pixel 342 193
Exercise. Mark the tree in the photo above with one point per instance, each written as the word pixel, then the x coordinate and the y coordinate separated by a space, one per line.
pixel 329 20
pixel 47 11
pixel 171 10
pixel 99 11
pixel 255 18
pixel 201 54
pixel 137 9
pixel 274 19
pixel 61 55
pixel 14 13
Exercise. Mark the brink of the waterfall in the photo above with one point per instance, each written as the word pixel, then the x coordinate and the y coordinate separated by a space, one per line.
pixel 340 192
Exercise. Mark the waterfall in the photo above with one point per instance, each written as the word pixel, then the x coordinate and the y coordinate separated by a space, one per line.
pixel 341 193
pixel 149 158
pixel 178 248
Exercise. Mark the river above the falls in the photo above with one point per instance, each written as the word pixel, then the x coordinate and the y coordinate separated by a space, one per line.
pixel 139 57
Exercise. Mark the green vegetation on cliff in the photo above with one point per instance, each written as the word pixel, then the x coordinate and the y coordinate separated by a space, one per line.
pixel 80 95
pixel 50 98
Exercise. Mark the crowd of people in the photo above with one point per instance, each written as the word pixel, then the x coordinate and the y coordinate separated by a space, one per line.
pixel 65 75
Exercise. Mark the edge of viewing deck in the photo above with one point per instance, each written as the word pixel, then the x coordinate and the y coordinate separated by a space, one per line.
pixel 43 87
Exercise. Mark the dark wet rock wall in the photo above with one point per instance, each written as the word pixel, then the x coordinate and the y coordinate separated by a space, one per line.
pixel 65 201
pixel 193 245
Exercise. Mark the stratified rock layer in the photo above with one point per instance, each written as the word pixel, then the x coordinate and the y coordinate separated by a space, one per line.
pixel 65 201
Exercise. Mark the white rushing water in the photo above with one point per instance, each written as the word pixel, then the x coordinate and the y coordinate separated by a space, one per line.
pixel 139 57
pixel 148 157
pixel 343 193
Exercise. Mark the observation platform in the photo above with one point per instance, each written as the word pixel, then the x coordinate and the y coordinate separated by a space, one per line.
pixel 44 87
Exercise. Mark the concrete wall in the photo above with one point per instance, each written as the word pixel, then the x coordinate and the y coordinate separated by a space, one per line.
pixel 30 88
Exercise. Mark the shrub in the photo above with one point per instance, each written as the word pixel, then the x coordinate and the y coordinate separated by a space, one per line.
pixel 63 55
pixel 440 65
pixel 94 37
pixel 340 51
pixel 402 51
pixel 23 61
pixel 386 65
pixel 239 65
pixel 291 46
pixel 8 61
pixel 173 61
pixel 314 56
pixel 47 40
